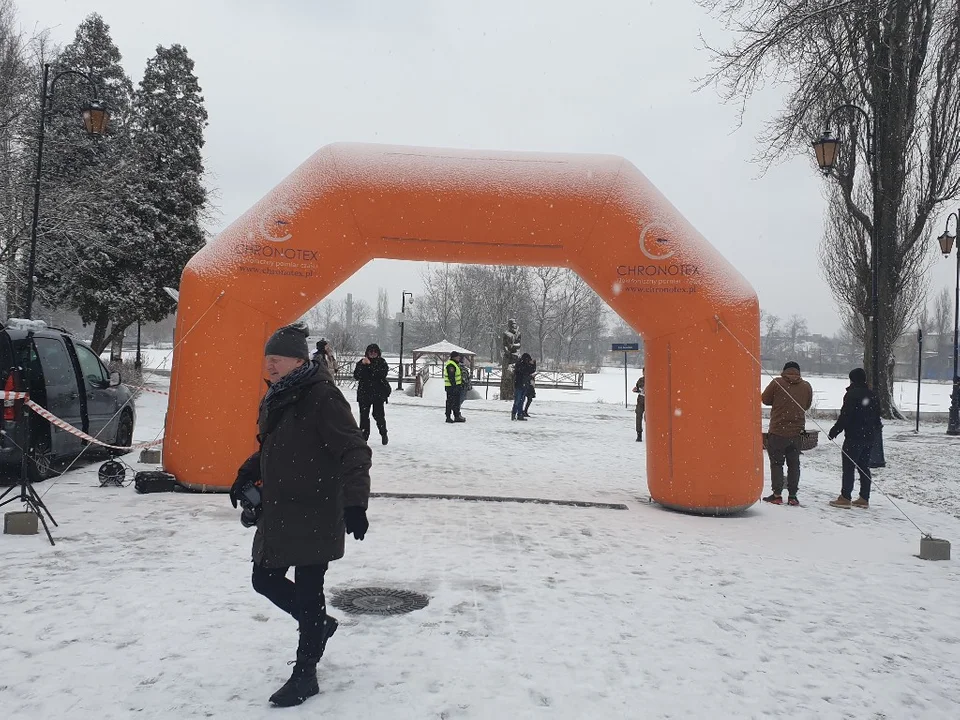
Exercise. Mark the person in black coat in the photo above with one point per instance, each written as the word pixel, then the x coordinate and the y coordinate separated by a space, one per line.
pixel 523 372
pixel 313 470
pixel 859 421
pixel 372 390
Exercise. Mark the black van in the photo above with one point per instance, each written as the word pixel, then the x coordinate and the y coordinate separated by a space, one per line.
pixel 65 376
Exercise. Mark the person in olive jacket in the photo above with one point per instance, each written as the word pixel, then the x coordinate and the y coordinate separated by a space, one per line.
pixel 372 390
pixel 789 397
pixel 640 390
pixel 313 468
pixel 859 422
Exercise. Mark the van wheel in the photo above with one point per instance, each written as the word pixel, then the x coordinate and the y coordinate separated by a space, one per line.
pixel 124 434
pixel 40 464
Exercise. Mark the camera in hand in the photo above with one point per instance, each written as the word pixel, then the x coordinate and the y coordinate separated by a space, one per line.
pixel 251 502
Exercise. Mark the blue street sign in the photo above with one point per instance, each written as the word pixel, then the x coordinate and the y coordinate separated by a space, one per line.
pixel 626 347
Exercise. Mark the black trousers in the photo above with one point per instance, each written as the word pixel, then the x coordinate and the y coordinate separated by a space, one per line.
pixel 378 415
pixel 454 398
pixel 854 457
pixel 781 448
pixel 303 600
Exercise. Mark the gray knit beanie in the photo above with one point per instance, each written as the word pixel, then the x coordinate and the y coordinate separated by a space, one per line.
pixel 289 341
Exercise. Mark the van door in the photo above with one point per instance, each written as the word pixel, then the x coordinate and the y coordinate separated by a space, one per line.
pixel 62 393
pixel 101 402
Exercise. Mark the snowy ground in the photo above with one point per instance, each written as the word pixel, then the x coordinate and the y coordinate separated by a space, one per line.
pixel 143 609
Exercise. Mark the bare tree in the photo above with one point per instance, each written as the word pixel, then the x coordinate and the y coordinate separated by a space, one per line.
pixel 545 283
pixel 898 59
pixel 941 325
pixel 383 316
pixel 18 83
pixel 845 264
pixel 796 328
pixel 771 340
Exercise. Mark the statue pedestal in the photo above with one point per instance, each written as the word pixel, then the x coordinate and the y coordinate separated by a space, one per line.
pixel 506 387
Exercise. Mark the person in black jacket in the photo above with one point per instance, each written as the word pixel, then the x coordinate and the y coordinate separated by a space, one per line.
pixel 859 421
pixel 523 371
pixel 313 468
pixel 372 390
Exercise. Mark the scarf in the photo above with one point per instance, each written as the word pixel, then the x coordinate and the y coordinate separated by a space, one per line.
pixel 291 380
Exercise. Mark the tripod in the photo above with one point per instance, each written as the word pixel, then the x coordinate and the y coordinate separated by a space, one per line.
pixel 28 496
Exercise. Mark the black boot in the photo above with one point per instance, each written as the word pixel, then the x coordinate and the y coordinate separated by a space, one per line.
pixel 383 437
pixel 301 685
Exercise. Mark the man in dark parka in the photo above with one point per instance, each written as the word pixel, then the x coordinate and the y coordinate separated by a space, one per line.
pixel 314 469
pixel 372 390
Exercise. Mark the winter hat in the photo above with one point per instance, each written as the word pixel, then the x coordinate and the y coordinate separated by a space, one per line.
pixel 373 347
pixel 289 341
pixel 858 376
pixel 791 364
pixel 454 355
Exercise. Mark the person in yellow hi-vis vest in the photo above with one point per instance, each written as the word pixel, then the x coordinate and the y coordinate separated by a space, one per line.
pixel 453 383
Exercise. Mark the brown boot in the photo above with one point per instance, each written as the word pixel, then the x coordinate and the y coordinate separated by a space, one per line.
pixel 841 502
pixel 860 503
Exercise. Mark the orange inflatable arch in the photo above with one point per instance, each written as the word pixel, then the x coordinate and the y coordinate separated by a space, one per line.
pixel 597 215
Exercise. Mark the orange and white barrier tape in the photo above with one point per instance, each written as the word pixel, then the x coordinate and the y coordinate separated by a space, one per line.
pixel 149 390
pixel 63 425
pixel 14 395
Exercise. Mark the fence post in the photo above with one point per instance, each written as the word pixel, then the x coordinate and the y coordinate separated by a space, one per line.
pixel 919 373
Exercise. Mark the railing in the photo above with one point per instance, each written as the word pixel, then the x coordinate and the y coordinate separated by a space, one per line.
pixel 547 379
pixel 552 379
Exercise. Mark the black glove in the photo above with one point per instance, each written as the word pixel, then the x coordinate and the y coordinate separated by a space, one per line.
pixel 248 474
pixel 236 490
pixel 355 520
pixel 832 434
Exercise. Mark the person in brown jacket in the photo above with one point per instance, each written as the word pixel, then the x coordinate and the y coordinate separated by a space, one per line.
pixel 313 472
pixel 789 397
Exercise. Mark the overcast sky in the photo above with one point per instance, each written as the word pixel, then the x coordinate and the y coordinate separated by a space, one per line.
pixel 282 79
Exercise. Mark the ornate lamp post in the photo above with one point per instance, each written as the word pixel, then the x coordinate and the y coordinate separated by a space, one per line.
pixel 403 310
pixel 827 150
pixel 95 116
pixel 946 245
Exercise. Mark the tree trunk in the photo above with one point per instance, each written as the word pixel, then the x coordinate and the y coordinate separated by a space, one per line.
pixel 116 345
pixel 100 341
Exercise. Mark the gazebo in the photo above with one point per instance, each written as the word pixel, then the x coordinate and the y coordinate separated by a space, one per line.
pixel 440 351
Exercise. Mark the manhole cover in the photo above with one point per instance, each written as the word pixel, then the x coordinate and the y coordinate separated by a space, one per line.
pixel 379 601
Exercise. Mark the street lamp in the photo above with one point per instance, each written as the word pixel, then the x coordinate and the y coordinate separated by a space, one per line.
pixel 95 116
pixel 827 150
pixel 946 245
pixel 403 310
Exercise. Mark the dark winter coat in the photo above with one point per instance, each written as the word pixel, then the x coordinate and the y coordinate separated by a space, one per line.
pixel 372 386
pixel 313 463
pixel 859 417
pixel 640 390
pixel 522 373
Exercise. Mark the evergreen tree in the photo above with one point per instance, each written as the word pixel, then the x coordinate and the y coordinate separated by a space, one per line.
pixel 95 217
pixel 170 119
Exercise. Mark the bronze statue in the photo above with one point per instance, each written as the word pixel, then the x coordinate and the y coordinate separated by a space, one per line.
pixel 510 341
